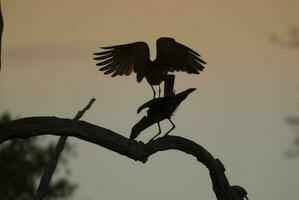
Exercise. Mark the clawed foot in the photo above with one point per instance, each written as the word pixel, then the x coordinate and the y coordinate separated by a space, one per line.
pixel 165 135
pixel 151 140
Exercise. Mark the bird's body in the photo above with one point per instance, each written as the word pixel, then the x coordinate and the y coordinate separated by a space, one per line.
pixel 135 57
pixel 159 109
pixel 153 74
pixel 240 191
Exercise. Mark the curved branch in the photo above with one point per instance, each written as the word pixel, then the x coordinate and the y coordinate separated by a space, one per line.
pixel 138 151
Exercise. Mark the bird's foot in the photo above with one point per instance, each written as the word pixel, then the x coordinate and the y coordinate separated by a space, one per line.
pixel 130 142
pixel 159 91
pixel 153 138
pixel 166 134
pixel 154 92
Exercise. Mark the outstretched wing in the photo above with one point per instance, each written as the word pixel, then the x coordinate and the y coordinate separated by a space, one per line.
pixel 123 59
pixel 147 105
pixel 173 56
pixel 157 102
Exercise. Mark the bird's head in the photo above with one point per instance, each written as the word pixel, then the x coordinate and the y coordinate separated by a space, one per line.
pixel 182 95
pixel 190 90
pixel 185 93
pixel 240 191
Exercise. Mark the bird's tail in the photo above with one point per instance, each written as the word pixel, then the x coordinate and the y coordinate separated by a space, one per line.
pixel 139 77
pixel 140 126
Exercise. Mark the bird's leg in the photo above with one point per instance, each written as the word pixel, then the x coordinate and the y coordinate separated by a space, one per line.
pixel 173 126
pixel 157 133
pixel 153 91
pixel 159 90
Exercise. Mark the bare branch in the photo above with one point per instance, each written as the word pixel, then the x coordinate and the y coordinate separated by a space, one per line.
pixel 138 151
pixel 51 165
pixel 1 31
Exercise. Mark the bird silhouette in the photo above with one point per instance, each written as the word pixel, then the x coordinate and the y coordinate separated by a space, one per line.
pixel 171 56
pixel 240 191
pixel 159 109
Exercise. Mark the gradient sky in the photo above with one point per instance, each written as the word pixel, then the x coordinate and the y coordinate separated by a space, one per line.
pixel 248 88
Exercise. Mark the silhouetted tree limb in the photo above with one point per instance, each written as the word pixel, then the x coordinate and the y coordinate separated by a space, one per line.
pixel 43 187
pixel 19 157
pixel 1 31
pixel 138 151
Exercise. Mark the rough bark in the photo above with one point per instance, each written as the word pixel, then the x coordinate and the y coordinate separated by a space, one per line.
pixel 138 151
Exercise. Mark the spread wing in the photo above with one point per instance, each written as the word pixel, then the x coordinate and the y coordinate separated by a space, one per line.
pixel 147 105
pixel 173 56
pixel 123 59
pixel 157 102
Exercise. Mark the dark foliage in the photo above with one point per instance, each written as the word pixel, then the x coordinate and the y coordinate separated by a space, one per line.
pixel 294 149
pixel 21 165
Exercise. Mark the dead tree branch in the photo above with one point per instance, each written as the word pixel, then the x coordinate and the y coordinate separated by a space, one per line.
pixel 43 186
pixel 1 31
pixel 138 151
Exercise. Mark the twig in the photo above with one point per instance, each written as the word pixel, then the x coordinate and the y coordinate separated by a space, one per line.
pixel 51 166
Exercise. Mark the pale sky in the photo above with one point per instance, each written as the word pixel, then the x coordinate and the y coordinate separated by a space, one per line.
pixel 248 88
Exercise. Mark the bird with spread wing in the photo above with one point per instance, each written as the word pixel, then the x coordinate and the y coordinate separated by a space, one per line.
pixel 171 56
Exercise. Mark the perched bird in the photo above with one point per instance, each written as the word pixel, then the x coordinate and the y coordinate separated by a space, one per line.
pixel 159 109
pixel 135 57
pixel 241 192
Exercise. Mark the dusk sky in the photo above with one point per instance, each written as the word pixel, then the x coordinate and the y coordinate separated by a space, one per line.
pixel 238 113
